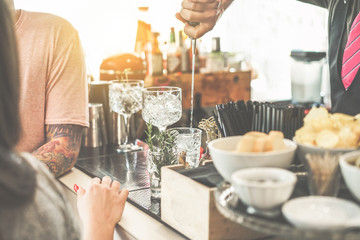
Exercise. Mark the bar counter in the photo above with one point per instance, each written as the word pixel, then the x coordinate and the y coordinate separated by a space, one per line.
pixel 141 218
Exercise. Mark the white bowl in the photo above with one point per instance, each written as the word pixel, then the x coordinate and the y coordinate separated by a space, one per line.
pixel 227 160
pixel 263 188
pixel 351 173
pixel 321 213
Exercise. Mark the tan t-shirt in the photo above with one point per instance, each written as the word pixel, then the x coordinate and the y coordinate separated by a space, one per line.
pixel 52 74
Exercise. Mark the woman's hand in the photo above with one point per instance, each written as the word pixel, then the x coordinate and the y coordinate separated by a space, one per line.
pixel 100 207
pixel 204 12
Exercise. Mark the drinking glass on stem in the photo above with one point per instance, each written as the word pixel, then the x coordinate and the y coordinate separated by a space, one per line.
pixel 162 106
pixel 126 99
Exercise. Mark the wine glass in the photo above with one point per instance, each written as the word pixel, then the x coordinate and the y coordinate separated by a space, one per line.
pixel 126 99
pixel 162 106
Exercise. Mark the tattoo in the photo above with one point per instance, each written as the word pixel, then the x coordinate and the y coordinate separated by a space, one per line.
pixel 61 149
pixel 72 132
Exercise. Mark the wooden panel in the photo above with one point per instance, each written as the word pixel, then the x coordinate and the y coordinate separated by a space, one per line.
pixel 189 207
pixel 215 88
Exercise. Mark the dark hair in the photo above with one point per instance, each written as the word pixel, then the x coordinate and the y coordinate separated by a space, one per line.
pixel 9 80
pixel 17 177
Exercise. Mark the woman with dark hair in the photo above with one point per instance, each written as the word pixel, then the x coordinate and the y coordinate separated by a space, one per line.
pixel 32 205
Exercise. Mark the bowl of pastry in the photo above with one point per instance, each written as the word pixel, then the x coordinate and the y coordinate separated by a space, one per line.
pixel 253 149
pixel 326 133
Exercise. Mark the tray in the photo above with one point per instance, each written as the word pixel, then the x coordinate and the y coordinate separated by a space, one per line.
pixel 228 204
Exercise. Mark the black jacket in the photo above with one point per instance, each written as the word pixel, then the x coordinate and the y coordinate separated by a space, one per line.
pixel 341 15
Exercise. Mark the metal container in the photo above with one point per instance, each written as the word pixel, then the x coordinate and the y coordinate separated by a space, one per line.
pixel 114 122
pixel 95 135
pixel 306 76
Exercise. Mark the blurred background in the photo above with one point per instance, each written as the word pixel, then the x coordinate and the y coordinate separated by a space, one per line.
pixel 261 32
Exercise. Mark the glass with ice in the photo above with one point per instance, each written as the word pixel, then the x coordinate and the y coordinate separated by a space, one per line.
pixel 162 106
pixel 125 98
pixel 188 143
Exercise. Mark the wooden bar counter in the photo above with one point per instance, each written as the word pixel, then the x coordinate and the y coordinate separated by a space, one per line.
pixel 135 223
pixel 141 218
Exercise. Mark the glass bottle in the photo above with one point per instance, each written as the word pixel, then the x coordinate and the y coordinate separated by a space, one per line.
pixel 184 54
pixel 157 56
pixel 173 55
pixel 216 58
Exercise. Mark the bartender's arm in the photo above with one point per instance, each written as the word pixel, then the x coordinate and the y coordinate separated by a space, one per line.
pixel 205 12
pixel 61 149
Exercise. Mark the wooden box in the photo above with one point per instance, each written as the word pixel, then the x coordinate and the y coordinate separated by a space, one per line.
pixel 213 88
pixel 189 207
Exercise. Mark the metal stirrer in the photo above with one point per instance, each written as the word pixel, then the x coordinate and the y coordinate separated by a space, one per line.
pixel 193 42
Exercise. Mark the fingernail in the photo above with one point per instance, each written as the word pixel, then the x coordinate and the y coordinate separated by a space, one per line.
pixel 76 188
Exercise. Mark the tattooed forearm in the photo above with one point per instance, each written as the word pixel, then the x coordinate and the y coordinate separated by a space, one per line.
pixel 72 132
pixel 61 149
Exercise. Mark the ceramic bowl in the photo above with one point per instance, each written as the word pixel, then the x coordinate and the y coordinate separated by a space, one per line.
pixel 263 188
pixel 321 213
pixel 351 173
pixel 303 149
pixel 227 160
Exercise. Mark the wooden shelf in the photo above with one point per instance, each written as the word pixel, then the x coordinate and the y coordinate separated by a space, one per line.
pixel 215 88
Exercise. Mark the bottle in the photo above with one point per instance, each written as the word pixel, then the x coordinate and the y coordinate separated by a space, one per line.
pixel 164 48
pixel 199 112
pixel 184 54
pixel 173 55
pixel 157 56
pixel 203 55
pixel 216 59
pixel 143 37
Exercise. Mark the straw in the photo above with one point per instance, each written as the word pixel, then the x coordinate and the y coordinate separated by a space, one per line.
pixel 323 174
pixel 238 118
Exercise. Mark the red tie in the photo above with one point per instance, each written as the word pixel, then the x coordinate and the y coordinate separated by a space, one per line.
pixel 351 58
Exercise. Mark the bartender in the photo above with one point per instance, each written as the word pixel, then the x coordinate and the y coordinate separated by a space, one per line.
pixel 344 43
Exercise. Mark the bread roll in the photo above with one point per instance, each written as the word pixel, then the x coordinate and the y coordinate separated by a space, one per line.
pixel 245 144
pixel 261 142
pixel 277 139
pixel 255 134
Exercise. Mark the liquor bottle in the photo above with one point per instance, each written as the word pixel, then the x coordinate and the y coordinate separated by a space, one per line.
pixel 184 54
pixel 216 58
pixel 164 47
pixel 157 56
pixel 203 55
pixel 143 37
pixel 173 55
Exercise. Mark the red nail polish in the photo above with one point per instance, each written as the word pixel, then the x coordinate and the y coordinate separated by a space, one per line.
pixel 76 188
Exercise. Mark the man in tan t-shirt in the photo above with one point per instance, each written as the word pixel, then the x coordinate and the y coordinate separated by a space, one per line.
pixel 53 93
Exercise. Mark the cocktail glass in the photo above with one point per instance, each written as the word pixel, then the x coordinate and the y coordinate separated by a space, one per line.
pixel 188 143
pixel 162 106
pixel 126 99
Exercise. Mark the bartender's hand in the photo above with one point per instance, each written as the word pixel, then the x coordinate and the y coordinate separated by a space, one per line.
pixel 100 207
pixel 205 12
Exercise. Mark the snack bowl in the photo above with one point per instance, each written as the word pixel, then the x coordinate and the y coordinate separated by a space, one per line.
pixel 263 189
pixel 227 160
pixel 351 173
pixel 304 149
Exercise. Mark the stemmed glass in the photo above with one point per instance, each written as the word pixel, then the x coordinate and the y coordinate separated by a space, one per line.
pixel 126 99
pixel 162 106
